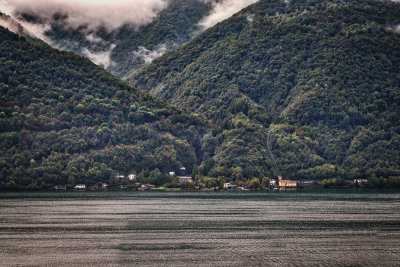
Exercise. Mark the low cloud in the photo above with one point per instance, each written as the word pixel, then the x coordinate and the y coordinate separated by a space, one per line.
pixel 12 25
pixel 27 30
pixel 222 10
pixel 102 58
pixel 250 19
pixel 93 38
pixel 38 30
pixel 149 55
pixel 90 13
pixel 394 28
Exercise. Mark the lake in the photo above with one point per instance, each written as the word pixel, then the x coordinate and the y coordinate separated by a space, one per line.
pixel 300 228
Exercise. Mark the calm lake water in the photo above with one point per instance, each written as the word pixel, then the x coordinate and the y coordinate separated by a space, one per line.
pixel 302 228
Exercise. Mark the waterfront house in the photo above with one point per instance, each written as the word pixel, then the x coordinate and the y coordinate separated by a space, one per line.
pixel 60 187
pixel 80 187
pixel 287 183
pixel 360 181
pixel 307 182
pixel 229 186
pixel 171 174
pixel 132 176
pixel 185 179
pixel 147 186
pixel 104 186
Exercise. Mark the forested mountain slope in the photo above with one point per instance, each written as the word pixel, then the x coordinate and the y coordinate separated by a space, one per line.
pixel 316 80
pixel 63 120
pixel 173 27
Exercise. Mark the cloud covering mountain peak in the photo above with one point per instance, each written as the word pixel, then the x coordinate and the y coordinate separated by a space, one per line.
pixel 90 13
pixel 92 27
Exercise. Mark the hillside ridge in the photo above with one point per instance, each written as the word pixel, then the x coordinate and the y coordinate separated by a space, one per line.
pixel 322 77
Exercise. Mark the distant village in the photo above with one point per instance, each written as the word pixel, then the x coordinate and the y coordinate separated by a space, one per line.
pixel 188 183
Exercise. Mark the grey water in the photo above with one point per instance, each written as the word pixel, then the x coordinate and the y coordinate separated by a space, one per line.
pixel 301 228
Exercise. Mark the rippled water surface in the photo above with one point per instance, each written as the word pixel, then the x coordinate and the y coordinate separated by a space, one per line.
pixel 329 228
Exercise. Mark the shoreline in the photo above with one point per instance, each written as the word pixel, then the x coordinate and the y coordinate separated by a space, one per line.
pixel 343 189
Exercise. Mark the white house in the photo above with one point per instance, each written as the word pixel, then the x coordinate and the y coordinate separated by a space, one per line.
pixel 171 174
pixel 229 186
pixel 132 176
pixel 80 187
pixel 360 181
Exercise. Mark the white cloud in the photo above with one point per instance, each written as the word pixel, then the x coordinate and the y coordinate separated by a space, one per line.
pixel 147 55
pixel 222 10
pixel 102 58
pixel 38 30
pixel 10 24
pixel 110 14
pixel 93 38
pixel 250 18
pixel 394 28
pixel 33 31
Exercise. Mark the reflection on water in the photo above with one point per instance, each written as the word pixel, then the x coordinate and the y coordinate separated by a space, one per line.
pixel 200 228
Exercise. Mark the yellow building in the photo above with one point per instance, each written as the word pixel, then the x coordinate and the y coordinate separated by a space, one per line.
pixel 287 183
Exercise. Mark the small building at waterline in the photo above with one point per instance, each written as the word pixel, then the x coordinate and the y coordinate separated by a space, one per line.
pixel 80 187
pixel 229 186
pixel 287 183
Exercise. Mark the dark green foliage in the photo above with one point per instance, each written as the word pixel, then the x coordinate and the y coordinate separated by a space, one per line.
pixel 64 120
pixel 321 77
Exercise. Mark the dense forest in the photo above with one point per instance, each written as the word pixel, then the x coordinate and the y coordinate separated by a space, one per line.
pixel 303 89
pixel 307 89
pixel 63 120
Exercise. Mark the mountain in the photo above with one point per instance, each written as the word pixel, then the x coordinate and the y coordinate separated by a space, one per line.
pixel 64 120
pixel 306 89
pixel 175 25
pixel 125 48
